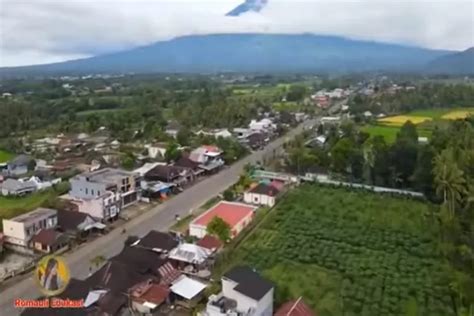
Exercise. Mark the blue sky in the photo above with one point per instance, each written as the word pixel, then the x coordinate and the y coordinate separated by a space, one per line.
pixel 42 31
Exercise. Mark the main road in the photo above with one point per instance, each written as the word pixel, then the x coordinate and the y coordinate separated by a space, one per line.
pixel 159 218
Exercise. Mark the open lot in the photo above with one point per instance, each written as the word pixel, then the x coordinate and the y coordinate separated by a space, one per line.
pixel 14 206
pixel 350 253
pixel 5 156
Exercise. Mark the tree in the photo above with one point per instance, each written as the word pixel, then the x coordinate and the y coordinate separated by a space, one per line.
pixel 423 175
pixel 219 228
pixel 183 136
pixel 408 131
pixel 172 152
pixel 341 154
pixel 228 195
pixel 296 92
pixel 448 179
pixel 97 261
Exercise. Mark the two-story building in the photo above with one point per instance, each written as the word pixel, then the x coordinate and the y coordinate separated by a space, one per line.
pixel 19 230
pixel 244 292
pixel 103 193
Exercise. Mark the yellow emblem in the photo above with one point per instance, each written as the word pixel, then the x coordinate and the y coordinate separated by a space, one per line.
pixel 52 275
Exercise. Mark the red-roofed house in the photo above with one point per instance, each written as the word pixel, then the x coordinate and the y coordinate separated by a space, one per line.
pixel 295 308
pixel 147 296
pixel 237 215
pixel 210 242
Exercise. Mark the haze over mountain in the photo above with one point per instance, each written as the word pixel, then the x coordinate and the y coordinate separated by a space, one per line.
pixel 456 63
pixel 248 53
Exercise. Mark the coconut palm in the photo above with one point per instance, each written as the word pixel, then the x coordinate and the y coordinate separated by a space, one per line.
pixel 450 184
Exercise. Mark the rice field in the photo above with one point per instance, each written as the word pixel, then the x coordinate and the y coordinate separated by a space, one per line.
pixel 399 120
pixel 455 115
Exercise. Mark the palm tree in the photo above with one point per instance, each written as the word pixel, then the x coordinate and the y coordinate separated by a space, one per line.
pixel 450 184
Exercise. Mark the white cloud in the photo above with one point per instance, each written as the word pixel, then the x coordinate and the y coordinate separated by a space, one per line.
pixel 41 31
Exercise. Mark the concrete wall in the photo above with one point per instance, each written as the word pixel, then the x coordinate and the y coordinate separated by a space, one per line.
pixel 197 230
pixel 15 233
pixel 259 199
pixel 82 189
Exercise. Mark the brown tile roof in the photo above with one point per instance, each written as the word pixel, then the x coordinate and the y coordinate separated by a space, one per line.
pixel 295 308
pixel 209 242
pixel 47 237
pixel 149 292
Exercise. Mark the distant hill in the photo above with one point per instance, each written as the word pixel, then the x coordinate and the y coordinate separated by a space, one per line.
pixel 455 63
pixel 247 53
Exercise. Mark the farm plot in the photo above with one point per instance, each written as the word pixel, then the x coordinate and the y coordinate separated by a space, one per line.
pixel 399 120
pixel 351 253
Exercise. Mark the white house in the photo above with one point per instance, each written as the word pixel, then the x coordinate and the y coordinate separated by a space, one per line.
pixel 262 194
pixel 244 292
pixel 20 229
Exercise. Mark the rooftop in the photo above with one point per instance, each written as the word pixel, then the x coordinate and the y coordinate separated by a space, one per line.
pixel 232 213
pixel 190 253
pixel 107 175
pixel 158 241
pixel 47 237
pixel 249 282
pixel 265 189
pixel 295 308
pixel 150 293
pixel 209 242
pixel 35 215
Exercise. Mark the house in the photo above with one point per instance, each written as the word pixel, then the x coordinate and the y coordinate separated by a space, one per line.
pixel 209 158
pixel 158 242
pixel 262 194
pixel 103 208
pixel 264 125
pixel 244 292
pixel 236 215
pixel 170 174
pixel 77 224
pixel 187 291
pixel 216 133
pixel 210 242
pixel 185 162
pixel 17 187
pixel 190 254
pixel 91 185
pixel 295 308
pixel 257 140
pixel 147 296
pixel 241 133
pixel 48 241
pixel 20 229
pixel 316 142
pixel 172 129
pixel 156 151
pixel 143 170
pixel 18 166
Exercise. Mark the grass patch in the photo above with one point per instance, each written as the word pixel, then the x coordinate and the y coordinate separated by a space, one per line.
pixel 290 106
pixel 350 253
pixel 99 112
pixel 390 132
pixel 14 206
pixel 5 156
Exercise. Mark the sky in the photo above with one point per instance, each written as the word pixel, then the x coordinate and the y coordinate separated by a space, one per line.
pixel 44 31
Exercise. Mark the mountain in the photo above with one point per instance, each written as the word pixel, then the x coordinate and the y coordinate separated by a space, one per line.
pixel 455 63
pixel 247 53
pixel 247 6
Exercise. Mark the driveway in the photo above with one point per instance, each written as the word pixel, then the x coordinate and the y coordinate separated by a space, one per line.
pixel 159 218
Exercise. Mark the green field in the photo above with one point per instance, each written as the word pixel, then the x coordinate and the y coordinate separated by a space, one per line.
pixel 5 156
pixel 286 106
pixel 99 112
pixel 390 132
pixel 350 253
pixel 438 113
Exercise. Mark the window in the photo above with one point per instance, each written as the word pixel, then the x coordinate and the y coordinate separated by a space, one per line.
pixel 87 191
pixel 92 192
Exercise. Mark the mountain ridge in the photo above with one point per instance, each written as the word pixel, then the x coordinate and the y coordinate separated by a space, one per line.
pixel 456 63
pixel 248 52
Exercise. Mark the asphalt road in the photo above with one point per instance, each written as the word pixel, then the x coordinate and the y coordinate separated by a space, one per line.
pixel 160 218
